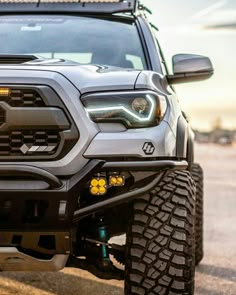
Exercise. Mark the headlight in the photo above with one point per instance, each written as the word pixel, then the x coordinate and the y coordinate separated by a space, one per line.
pixel 133 109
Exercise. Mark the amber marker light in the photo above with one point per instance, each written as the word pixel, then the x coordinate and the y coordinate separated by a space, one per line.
pixel 4 91
pixel 98 186
pixel 116 180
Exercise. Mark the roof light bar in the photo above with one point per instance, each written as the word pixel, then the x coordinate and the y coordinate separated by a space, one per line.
pixel 102 1
pixel 62 1
pixel 69 6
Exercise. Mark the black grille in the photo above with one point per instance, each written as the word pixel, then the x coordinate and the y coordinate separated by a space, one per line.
pixel 17 143
pixel 22 141
pixel 2 116
pixel 23 98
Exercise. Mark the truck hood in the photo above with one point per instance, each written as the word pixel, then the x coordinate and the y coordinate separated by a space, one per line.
pixel 91 78
pixel 86 78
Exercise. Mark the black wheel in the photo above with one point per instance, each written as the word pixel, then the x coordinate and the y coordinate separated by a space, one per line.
pixel 197 174
pixel 160 239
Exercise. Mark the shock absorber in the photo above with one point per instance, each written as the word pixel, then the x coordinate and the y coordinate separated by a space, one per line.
pixel 104 237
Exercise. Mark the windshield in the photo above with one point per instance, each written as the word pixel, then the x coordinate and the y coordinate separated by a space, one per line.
pixel 85 40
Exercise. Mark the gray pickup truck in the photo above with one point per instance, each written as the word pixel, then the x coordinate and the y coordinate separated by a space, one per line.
pixel 94 144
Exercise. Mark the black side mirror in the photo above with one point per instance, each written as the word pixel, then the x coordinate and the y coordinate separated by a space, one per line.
pixel 190 68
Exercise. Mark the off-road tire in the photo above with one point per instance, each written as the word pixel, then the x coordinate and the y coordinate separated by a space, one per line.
pixel 197 174
pixel 160 239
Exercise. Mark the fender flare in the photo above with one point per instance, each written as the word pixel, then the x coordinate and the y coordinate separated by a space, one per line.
pixel 190 149
pixel 184 141
pixel 182 138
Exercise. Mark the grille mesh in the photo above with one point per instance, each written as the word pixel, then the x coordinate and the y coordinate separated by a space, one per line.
pixel 12 142
pixel 2 116
pixel 23 98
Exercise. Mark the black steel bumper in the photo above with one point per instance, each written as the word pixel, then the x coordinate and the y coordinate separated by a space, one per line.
pixel 56 205
pixel 154 166
pixel 48 204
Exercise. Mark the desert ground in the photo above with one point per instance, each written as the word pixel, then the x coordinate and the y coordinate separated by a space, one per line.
pixel 216 275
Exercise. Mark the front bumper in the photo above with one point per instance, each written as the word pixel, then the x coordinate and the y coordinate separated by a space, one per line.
pixel 27 203
pixel 30 219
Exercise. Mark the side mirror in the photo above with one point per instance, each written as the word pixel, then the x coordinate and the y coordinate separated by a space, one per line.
pixel 190 68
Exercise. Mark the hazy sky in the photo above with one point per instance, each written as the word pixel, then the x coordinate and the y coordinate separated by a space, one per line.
pixel 205 27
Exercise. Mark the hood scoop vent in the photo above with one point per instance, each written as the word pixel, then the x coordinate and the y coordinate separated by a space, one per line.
pixel 9 59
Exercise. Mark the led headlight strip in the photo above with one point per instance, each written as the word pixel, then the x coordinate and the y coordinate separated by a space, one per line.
pixel 134 109
pixel 126 110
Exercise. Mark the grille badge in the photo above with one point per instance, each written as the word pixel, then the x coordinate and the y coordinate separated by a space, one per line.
pixel 37 148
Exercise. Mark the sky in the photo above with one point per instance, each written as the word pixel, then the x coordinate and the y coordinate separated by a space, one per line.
pixel 206 27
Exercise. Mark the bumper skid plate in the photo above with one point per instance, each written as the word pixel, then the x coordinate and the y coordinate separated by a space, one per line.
pixel 12 259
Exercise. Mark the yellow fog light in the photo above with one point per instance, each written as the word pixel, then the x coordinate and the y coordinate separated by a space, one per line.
pixel 4 91
pixel 94 190
pixel 112 181
pixel 102 182
pixel 98 186
pixel 120 181
pixel 102 190
pixel 94 182
pixel 117 181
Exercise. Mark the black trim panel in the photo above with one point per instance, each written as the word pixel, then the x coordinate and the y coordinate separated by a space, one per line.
pixel 182 138
pixel 34 118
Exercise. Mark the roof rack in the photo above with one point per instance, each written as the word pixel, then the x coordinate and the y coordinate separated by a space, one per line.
pixel 68 6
